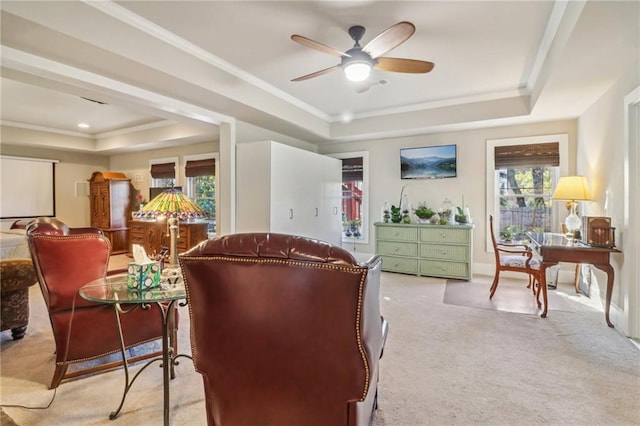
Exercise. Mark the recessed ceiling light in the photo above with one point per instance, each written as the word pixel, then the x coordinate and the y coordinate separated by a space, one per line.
pixel 83 125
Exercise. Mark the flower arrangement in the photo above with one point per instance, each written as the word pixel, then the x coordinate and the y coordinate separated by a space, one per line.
pixel 140 198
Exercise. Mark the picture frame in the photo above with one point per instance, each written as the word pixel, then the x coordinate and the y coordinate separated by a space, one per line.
pixel 429 162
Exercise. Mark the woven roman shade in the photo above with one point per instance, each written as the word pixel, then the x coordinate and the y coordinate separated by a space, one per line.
pixel 200 168
pixel 163 171
pixel 352 169
pixel 532 155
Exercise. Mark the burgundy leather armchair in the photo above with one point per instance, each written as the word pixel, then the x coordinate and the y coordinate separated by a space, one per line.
pixel 66 259
pixel 285 330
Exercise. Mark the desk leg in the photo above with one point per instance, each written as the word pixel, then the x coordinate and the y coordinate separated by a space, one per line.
pixel 543 285
pixel 609 270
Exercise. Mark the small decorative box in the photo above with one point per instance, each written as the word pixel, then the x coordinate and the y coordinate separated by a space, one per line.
pixel 597 231
pixel 143 276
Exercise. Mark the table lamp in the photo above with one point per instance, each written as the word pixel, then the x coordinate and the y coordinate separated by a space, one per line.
pixel 172 205
pixel 572 189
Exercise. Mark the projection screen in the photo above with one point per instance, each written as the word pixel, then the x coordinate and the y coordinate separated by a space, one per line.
pixel 27 187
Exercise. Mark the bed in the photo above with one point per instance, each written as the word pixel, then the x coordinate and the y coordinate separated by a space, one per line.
pixel 13 244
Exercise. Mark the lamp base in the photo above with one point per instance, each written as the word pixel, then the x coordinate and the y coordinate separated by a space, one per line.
pixel 573 224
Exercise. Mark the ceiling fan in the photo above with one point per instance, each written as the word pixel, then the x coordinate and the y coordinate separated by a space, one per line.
pixel 358 61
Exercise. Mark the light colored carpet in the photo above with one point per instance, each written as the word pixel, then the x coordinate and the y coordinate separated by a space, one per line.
pixel 443 365
pixel 510 296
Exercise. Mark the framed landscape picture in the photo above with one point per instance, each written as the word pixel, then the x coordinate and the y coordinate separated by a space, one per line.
pixel 431 162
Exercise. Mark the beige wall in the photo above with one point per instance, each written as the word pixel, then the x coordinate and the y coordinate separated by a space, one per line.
pixel 601 158
pixel 385 182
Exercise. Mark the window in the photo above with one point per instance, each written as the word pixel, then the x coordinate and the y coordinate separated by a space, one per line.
pixel 163 172
pixel 355 195
pixel 200 173
pixel 521 176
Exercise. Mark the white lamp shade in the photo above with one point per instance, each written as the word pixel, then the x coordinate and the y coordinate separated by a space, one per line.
pixel 357 71
pixel 572 188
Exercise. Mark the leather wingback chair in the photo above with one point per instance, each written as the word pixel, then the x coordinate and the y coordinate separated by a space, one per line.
pixel 16 276
pixel 66 259
pixel 285 330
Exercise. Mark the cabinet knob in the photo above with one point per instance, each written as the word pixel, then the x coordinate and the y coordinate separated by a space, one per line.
pixel 443 235
pixel 396 249
pixel 443 268
pixel 395 234
pixel 444 252
pixel 396 264
pixel 290 213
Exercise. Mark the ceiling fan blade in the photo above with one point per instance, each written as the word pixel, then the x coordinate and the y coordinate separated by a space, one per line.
pixel 389 38
pixel 307 42
pixel 403 65
pixel 317 73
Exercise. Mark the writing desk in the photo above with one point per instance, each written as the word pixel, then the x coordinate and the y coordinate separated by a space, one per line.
pixel 554 248
pixel 113 291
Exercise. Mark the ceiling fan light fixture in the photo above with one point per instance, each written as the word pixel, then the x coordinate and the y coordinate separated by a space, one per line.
pixel 357 71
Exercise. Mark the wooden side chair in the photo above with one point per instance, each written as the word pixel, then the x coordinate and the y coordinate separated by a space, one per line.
pixel 515 258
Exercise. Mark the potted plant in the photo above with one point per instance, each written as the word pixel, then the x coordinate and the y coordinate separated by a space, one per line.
pixel 460 217
pixel 423 212
pixel 396 214
pixel 507 233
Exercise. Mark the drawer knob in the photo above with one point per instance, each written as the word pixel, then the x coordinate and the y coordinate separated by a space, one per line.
pixel 444 252
pixel 396 264
pixel 443 268
pixel 443 235
pixel 395 234
pixel 396 249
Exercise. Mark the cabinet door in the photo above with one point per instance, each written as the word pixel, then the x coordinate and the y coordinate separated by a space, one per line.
pixel 331 223
pixel 296 191
pixel 284 211
pixel 308 195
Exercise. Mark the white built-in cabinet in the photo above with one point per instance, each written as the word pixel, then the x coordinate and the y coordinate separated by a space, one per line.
pixel 288 190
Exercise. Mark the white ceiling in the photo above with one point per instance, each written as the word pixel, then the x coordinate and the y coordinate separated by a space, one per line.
pixel 204 62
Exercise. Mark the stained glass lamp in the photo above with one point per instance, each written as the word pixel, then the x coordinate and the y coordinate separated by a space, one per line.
pixel 172 205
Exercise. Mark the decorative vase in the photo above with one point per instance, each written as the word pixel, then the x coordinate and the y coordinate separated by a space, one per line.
pixel 386 212
pixel 446 211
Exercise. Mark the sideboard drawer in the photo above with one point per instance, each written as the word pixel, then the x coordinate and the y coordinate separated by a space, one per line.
pixel 399 264
pixel 445 269
pixel 441 251
pixel 444 235
pixel 398 233
pixel 398 249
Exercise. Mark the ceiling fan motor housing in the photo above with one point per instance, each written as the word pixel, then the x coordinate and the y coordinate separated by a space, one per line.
pixel 356 32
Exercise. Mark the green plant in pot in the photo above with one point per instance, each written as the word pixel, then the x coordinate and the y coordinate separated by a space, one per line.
pixel 460 217
pixel 396 214
pixel 423 212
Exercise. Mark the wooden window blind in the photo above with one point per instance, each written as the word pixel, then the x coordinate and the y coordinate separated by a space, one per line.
pixel 352 169
pixel 518 156
pixel 200 168
pixel 163 171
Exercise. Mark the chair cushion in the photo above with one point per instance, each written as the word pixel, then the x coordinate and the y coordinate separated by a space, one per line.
pixel 519 262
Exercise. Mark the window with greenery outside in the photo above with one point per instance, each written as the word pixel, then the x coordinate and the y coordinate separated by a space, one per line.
pixel 525 200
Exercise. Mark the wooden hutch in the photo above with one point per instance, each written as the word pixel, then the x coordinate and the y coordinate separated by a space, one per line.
pixel 110 207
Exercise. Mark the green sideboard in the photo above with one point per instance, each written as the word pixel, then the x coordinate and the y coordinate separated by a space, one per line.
pixel 444 251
